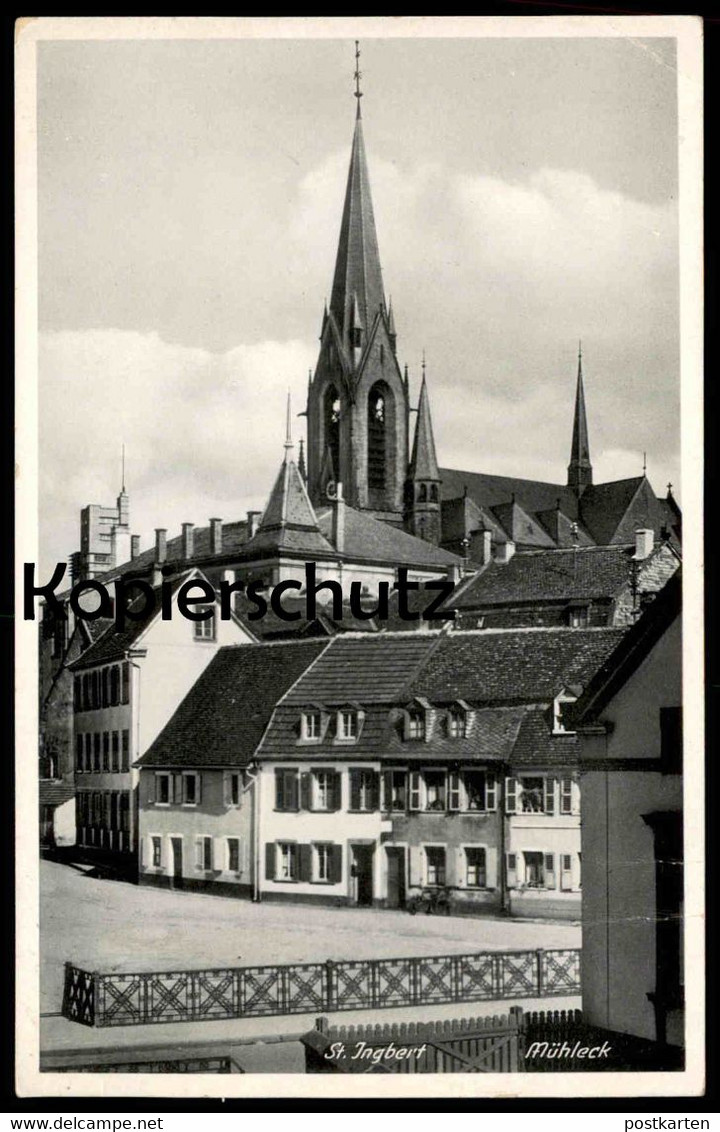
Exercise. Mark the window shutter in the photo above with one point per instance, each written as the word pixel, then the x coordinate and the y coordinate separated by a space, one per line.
pixel 227 795
pixel 414 792
pixel 453 790
pixel 460 864
pixel 550 870
pixel 549 796
pixel 415 877
pixel 336 791
pixel 490 792
pixel 386 791
pixel 304 862
pixel 336 864
pixel 491 878
pixel 354 790
pixel 292 790
pixel 176 785
pixel 270 860
pixel 199 853
pixel 279 792
pixel 375 791
pixel 575 805
pixel 151 791
pixel 198 788
pixel 305 791
pixel 512 870
pixel 510 795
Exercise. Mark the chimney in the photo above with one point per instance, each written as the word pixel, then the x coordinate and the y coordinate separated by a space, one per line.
pixel 454 574
pixel 216 536
pixel 160 544
pixel 134 546
pixel 482 546
pixel 253 522
pixel 505 551
pixel 338 520
pixel 187 540
pixel 644 543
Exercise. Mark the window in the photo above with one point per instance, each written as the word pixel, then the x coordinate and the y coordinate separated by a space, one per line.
pixel 560 707
pixel 512 870
pixel 156 852
pixel 395 789
pixel 347 724
pixel 566 795
pixel 363 790
pixel 233 854
pixel 126 682
pixel 534 870
pixel 475 871
pixel 233 790
pixel 190 789
pixel 96 752
pixel 125 765
pixel 435 789
pixel 476 789
pixel 415 724
pixel 323 790
pixel 532 795
pixel 453 790
pixel 321 862
pixel 287 860
pixel 115 751
pixel 106 750
pixel 671 740
pixel 204 853
pixel 115 684
pixel 414 794
pixel 578 617
pixel 205 630
pixel 162 789
pixel 286 790
pixel 79 749
pixel 457 724
pixel 435 864
pixel 311 728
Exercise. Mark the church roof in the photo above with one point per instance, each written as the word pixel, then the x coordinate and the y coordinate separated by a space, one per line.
pixel 423 463
pixel 370 540
pixel 487 491
pixel 357 284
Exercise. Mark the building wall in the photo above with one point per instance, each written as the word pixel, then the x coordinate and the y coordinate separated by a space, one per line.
pixel 213 816
pixel 619 903
pixel 556 835
pixel 454 832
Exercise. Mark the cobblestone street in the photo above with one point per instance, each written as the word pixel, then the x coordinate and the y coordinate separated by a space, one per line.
pixel 113 925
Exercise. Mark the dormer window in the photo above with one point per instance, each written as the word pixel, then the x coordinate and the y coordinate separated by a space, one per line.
pixel 416 724
pixel 457 723
pixel 347 724
pixel 560 706
pixel 311 726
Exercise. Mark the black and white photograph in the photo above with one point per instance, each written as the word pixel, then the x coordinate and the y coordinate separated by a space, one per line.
pixel 359 643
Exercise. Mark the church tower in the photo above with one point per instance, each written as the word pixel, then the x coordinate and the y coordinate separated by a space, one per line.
pixel 357 410
pixel 423 484
pixel 580 468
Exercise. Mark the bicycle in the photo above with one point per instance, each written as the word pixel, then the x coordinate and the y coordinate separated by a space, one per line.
pixel 431 901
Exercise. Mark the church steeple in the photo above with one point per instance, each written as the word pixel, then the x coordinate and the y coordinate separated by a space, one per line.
pixel 357 288
pixel 423 489
pixel 580 468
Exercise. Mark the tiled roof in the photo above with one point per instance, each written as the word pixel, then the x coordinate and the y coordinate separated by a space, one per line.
pixel 603 505
pixel 53 792
pixel 222 719
pixel 517 665
pixel 537 746
pixel 423 462
pixel 113 643
pixel 370 540
pixel 372 669
pixel 521 527
pixel 589 573
pixel 487 491
pixel 288 522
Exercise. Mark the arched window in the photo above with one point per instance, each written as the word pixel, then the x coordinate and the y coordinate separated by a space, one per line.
pixel 433 492
pixel 422 493
pixel 377 430
pixel 331 420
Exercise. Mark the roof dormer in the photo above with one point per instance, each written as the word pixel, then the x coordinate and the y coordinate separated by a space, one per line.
pixel 418 720
pixel 459 720
pixel 349 719
pixel 560 704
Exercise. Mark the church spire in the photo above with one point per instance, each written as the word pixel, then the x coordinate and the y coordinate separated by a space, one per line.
pixel 358 279
pixel 580 468
pixel 423 462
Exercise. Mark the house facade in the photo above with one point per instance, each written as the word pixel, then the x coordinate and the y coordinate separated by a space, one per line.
pixel 125 687
pixel 629 721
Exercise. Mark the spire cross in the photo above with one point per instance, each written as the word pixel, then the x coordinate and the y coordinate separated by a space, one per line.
pixel 123 468
pixel 423 363
pixel 358 75
pixel 644 463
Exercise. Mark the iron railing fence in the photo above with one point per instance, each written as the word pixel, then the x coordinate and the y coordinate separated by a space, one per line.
pixel 139 998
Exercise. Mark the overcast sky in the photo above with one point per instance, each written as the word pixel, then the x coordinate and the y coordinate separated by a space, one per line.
pixel 189 199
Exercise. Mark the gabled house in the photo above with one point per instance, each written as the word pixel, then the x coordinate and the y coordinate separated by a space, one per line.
pixel 629 723
pixel 125 688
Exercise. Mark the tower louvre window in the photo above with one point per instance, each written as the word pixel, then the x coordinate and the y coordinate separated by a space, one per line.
pixel 377 432
pixel 331 414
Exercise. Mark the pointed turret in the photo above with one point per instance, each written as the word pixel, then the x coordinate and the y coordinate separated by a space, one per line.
pixel 357 291
pixel 580 468
pixel 423 490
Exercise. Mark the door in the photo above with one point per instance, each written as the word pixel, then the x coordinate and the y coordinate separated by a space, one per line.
pixel 363 873
pixel 177 862
pixel 395 877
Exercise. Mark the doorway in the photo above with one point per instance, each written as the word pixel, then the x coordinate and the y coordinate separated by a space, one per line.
pixel 362 871
pixel 395 877
pixel 176 879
